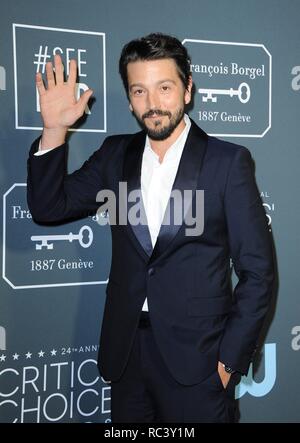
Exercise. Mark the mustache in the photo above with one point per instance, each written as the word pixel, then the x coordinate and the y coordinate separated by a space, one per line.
pixel 157 112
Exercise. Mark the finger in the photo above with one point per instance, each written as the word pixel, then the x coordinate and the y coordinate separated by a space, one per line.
pixel 82 102
pixel 59 70
pixel 73 73
pixel 50 75
pixel 39 83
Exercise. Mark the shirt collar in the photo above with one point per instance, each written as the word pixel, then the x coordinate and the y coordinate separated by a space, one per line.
pixel 176 148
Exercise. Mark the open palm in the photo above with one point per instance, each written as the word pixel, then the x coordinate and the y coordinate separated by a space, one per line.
pixel 58 102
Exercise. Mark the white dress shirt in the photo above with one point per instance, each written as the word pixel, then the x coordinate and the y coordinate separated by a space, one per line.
pixel 156 181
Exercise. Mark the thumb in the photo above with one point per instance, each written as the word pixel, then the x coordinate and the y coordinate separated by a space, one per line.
pixel 84 98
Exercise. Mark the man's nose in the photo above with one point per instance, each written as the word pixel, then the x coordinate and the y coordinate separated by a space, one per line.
pixel 153 101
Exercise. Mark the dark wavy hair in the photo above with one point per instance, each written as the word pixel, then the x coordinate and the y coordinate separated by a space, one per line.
pixel 155 46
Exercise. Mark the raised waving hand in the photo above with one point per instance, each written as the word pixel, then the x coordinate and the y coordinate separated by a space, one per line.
pixel 58 102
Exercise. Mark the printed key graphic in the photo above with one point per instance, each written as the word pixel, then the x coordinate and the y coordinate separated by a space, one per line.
pixel 43 240
pixel 211 94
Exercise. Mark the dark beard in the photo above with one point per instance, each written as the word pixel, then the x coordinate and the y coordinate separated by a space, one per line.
pixel 164 132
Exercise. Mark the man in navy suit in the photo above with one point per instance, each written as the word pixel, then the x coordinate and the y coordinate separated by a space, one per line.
pixel 175 338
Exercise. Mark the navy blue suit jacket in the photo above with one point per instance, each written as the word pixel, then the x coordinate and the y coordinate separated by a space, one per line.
pixel 197 318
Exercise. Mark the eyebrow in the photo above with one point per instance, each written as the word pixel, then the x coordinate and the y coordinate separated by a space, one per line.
pixel 134 85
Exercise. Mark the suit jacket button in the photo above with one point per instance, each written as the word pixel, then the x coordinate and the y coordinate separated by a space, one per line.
pixel 151 271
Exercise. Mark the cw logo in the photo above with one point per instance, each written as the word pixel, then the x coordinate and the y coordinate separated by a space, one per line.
pixel 2 339
pixel 247 384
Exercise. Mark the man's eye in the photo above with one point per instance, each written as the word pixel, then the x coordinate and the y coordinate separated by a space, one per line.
pixel 138 92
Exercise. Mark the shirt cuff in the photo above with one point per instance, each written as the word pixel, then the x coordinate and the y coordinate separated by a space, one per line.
pixel 42 152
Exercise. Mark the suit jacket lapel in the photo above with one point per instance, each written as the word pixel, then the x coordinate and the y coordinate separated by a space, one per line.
pixel 185 179
pixel 132 176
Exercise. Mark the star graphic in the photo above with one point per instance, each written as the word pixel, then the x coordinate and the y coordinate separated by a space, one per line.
pixel 16 356
pixel 2 357
pixel 53 352
pixel 28 355
pixel 41 354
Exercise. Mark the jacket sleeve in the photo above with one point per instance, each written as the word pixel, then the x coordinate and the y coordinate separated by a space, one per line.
pixel 252 255
pixel 53 195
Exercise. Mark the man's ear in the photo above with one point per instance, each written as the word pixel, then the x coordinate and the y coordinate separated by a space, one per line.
pixel 188 91
pixel 130 107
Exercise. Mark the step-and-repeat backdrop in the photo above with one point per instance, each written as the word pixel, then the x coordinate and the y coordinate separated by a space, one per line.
pixel 246 70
